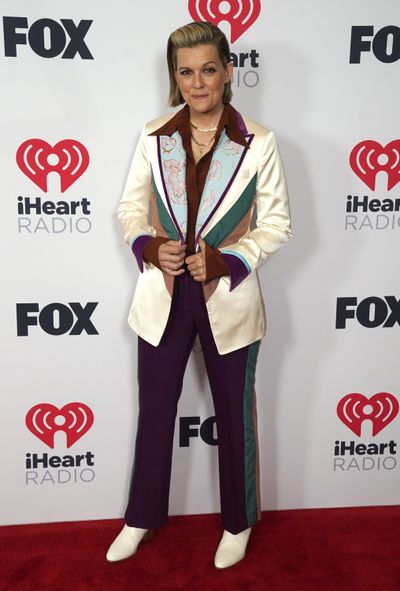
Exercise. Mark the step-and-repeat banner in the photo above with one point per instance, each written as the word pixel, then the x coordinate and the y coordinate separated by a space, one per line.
pixel 78 80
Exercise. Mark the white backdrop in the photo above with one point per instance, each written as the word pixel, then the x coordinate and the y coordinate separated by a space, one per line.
pixel 297 81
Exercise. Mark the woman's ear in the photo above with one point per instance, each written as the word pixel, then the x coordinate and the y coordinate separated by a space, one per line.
pixel 229 72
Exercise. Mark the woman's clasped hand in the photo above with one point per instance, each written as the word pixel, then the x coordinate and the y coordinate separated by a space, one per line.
pixel 172 257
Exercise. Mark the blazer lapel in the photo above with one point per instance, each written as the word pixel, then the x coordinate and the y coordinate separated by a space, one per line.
pixel 172 178
pixel 225 164
pixel 222 187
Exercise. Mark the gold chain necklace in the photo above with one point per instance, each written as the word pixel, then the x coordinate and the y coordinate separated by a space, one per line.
pixel 202 145
pixel 203 130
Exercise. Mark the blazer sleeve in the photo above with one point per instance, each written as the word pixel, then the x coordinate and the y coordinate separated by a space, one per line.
pixel 133 210
pixel 272 228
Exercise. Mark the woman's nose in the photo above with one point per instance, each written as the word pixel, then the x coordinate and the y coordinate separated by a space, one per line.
pixel 198 80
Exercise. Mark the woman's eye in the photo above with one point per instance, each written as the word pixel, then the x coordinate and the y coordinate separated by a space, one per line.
pixel 185 72
pixel 209 70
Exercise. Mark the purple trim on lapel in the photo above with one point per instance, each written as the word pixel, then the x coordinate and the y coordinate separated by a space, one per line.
pixel 138 247
pixel 171 211
pixel 249 138
pixel 241 124
pixel 237 269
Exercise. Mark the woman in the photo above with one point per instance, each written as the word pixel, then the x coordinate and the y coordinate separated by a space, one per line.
pixel 195 179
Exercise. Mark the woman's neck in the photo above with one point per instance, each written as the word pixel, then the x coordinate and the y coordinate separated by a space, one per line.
pixel 206 120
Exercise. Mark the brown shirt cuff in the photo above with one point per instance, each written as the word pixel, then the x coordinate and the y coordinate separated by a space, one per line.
pixel 150 251
pixel 215 264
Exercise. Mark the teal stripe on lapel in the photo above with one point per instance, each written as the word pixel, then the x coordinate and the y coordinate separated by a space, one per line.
pixel 163 214
pixel 232 218
pixel 226 161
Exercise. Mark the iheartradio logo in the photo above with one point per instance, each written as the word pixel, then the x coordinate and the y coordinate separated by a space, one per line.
pixel 380 409
pixel 44 420
pixel 240 14
pixel 36 159
pixel 368 158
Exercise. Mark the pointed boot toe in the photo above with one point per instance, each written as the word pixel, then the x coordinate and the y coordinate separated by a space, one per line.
pixel 126 543
pixel 232 548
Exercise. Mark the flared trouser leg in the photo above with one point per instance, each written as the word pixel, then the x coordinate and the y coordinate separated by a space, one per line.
pixel 160 377
pixel 231 378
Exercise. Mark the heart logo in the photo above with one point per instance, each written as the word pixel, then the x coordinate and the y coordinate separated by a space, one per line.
pixel 368 158
pixel 240 14
pixel 355 408
pixel 44 420
pixel 36 158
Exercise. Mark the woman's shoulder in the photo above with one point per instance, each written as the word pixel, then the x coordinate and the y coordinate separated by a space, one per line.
pixel 158 122
pixel 248 125
pixel 256 128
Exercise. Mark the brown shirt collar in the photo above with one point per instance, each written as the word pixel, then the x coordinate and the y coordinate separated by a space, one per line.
pixel 229 120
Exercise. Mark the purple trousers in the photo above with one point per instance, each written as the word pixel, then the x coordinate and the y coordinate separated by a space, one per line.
pixel 160 376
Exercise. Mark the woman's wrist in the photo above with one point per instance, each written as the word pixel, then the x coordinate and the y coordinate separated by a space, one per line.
pixel 215 264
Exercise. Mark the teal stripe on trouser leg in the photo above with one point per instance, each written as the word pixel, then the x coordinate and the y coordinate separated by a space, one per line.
pixel 250 436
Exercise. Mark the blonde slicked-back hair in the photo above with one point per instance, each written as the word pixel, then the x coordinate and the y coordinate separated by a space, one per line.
pixel 191 35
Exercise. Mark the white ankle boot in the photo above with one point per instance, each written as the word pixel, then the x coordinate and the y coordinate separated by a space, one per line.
pixel 232 548
pixel 127 542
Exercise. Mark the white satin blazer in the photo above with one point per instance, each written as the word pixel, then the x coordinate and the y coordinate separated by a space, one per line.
pixel 240 179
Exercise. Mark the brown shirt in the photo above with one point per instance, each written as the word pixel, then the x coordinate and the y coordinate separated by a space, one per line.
pixel 196 175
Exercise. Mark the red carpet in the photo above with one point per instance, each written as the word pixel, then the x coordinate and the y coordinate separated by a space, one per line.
pixel 308 550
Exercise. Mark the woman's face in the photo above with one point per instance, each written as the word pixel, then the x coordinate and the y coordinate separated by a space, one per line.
pixel 201 77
